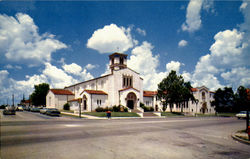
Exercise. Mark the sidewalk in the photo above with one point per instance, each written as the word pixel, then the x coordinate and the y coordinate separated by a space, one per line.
pixel 241 137
pixel 95 117
pixel 82 115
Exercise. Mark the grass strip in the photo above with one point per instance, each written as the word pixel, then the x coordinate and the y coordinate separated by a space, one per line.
pixel 171 114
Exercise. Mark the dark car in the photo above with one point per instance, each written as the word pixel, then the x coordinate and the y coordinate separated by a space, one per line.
pixel 9 111
pixel 35 109
pixel 53 112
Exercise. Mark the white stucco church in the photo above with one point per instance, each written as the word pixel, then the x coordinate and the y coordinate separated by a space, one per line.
pixel 123 86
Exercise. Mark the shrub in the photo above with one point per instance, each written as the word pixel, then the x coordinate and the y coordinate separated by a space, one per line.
pixel 99 109
pixel 125 109
pixel 66 106
pixel 148 109
pixel 142 105
pixel 116 108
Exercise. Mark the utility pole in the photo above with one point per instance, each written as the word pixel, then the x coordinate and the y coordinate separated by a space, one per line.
pixel 79 102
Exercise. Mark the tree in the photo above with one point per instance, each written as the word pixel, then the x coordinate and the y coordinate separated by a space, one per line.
pixel 242 98
pixel 38 97
pixel 224 100
pixel 173 90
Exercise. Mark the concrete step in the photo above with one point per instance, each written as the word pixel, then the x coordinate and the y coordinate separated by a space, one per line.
pixel 136 111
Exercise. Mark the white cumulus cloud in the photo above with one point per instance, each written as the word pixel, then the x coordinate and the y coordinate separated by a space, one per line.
pixel 111 38
pixel 182 43
pixel 21 42
pixel 141 31
pixel 143 61
pixel 90 66
pixel 226 60
pixel 193 19
pixel 243 5
pixel 72 68
pixel 173 65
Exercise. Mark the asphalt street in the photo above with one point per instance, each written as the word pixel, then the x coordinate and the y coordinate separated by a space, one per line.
pixel 32 135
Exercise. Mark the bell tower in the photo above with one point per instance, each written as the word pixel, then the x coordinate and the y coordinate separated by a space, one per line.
pixel 117 61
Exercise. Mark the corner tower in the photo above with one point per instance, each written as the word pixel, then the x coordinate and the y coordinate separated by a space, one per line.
pixel 117 61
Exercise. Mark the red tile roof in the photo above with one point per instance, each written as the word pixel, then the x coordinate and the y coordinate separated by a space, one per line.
pixel 149 93
pixel 128 88
pixel 26 101
pixel 75 100
pixel 95 92
pixel 194 89
pixel 61 92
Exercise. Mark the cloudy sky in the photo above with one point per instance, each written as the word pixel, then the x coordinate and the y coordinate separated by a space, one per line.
pixel 62 43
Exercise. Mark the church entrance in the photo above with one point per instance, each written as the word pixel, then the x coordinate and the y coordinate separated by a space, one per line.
pixel 84 102
pixel 130 104
pixel 131 100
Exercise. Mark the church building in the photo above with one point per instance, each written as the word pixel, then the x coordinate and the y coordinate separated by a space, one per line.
pixel 123 86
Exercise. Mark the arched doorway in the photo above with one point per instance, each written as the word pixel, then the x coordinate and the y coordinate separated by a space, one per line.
pixel 84 98
pixel 131 100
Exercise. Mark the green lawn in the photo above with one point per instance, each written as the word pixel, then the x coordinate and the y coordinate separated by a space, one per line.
pixel 171 114
pixel 226 114
pixel 113 114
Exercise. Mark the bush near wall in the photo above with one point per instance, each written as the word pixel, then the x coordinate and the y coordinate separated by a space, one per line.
pixel 66 106
pixel 112 109
pixel 147 108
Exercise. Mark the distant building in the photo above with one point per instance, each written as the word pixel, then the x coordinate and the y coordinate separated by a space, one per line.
pixel 123 86
pixel 56 98
pixel 25 103
pixel 203 96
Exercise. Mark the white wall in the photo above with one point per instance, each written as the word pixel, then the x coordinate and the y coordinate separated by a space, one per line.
pixel 50 100
pixel 148 101
pixel 102 98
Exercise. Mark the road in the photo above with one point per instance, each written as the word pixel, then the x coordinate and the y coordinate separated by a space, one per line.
pixel 31 135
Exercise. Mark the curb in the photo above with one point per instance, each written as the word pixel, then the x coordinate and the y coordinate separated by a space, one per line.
pixel 239 139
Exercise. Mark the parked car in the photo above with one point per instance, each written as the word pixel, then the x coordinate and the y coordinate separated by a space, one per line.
pixel 35 109
pixel 53 112
pixel 19 108
pixel 242 114
pixel 9 111
pixel 43 111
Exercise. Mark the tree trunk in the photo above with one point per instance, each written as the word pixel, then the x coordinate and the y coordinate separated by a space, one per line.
pixel 170 106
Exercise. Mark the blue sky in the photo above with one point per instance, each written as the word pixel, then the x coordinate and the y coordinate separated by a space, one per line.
pixel 62 43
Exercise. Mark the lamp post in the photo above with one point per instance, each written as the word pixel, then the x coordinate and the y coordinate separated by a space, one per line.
pixel 79 103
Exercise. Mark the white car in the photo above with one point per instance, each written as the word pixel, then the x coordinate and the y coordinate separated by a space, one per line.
pixel 242 114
